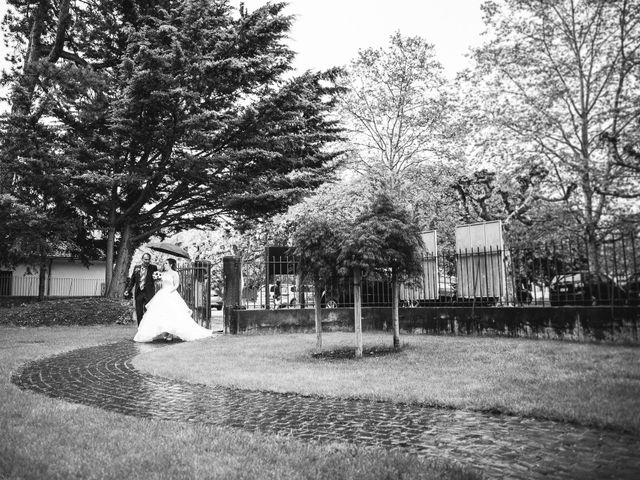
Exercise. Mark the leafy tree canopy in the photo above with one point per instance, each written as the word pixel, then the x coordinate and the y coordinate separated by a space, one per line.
pixel 403 129
pixel 553 82
pixel 165 115
pixel 382 237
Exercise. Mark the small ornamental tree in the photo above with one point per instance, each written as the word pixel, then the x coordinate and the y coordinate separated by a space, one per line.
pixel 383 238
pixel 316 244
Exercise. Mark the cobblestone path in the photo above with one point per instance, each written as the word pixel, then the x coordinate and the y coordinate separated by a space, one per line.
pixel 498 446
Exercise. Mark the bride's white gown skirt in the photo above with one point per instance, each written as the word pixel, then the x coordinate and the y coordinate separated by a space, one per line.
pixel 168 313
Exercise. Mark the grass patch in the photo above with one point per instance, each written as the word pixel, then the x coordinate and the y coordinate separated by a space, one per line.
pixel 589 384
pixel 42 437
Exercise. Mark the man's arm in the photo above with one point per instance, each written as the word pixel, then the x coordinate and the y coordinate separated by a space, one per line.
pixel 132 281
pixel 128 286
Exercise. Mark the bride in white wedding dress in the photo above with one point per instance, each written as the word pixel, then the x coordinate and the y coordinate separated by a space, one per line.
pixel 167 313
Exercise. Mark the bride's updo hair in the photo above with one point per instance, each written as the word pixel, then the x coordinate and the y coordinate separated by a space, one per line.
pixel 172 263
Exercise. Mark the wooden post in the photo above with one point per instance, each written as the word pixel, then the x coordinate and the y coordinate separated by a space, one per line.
pixel 299 296
pixel 267 300
pixel 318 316
pixel 395 314
pixel 357 309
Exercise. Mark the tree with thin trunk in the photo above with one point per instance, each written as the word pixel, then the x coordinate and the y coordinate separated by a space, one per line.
pixel 394 107
pixel 402 129
pixel 315 245
pixel 385 239
pixel 397 116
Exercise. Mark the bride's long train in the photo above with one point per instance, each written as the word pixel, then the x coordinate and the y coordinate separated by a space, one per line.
pixel 168 313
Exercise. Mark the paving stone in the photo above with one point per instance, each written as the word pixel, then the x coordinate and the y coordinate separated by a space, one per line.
pixel 499 446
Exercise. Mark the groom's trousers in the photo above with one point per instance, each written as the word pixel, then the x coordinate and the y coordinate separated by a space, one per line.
pixel 142 298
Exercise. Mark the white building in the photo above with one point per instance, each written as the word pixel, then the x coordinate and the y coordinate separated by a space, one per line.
pixel 65 277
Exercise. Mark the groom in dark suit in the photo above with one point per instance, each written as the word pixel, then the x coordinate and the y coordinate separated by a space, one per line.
pixel 142 280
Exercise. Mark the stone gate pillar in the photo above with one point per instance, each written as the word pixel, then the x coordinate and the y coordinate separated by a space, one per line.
pixel 231 273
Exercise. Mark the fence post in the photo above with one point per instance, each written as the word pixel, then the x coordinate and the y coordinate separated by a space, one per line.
pixel 357 309
pixel 201 291
pixel 231 268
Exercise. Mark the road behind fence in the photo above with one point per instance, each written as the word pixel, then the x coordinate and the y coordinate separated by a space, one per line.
pixel 552 274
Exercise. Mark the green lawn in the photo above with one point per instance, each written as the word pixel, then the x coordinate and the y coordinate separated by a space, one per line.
pixel 586 383
pixel 41 437
pixel 45 438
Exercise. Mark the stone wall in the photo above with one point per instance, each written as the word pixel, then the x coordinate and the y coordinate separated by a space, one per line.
pixel 587 324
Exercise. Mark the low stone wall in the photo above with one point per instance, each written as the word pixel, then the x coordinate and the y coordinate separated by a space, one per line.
pixel 585 324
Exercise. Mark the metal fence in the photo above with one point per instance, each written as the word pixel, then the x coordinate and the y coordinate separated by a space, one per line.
pixel 27 286
pixel 563 273
pixel 195 288
pixel 553 274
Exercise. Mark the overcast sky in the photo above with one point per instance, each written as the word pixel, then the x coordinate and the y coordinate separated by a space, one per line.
pixel 330 32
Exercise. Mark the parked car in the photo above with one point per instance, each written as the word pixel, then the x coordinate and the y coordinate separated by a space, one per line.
pixel 216 299
pixel 632 287
pixel 533 294
pixel 334 298
pixel 294 296
pixel 373 293
pixel 585 288
pixel 288 296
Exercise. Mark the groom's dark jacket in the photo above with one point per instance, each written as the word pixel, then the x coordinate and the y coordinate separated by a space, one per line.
pixel 149 283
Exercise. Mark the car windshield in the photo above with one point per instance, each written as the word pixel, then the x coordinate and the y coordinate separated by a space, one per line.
pixel 580 277
pixel 568 278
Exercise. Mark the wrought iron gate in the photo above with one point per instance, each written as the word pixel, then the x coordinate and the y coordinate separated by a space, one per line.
pixel 195 288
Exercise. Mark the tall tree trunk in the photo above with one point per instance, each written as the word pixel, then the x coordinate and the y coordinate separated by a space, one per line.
pixel 357 309
pixel 299 296
pixel 590 212
pixel 591 221
pixel 318 315
pixel 42 278
pixel 22 94
pixel 111 241
pixel 395 313
pixel 108 268
pixel 122 263
pixel 592 245
pixel 22 97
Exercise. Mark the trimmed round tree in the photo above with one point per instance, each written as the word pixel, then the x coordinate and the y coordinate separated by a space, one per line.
pixel 383 238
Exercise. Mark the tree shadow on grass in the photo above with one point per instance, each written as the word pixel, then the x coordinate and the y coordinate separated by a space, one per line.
pixel 348 353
